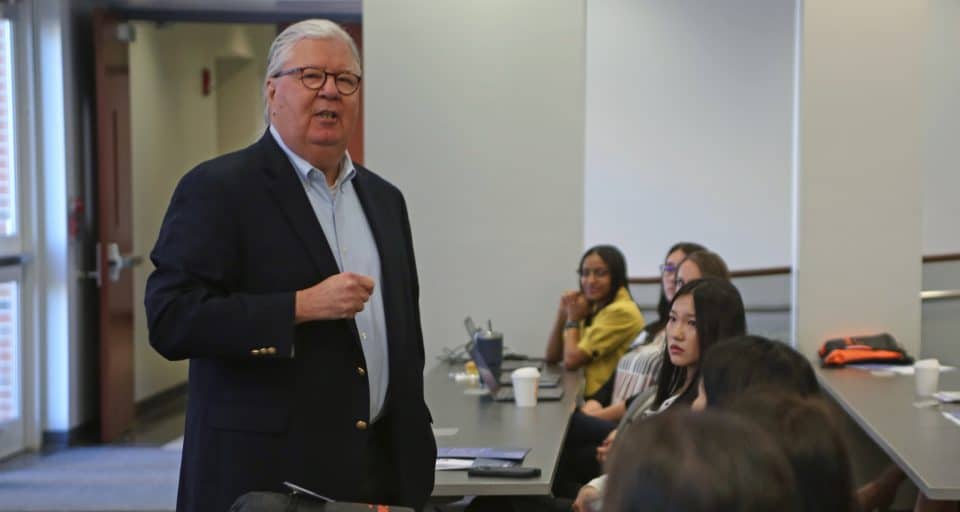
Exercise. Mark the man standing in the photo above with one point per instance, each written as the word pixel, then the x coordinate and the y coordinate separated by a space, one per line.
pixel 286 274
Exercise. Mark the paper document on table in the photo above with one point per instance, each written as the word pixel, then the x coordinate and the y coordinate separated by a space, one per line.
pixel 453 464
pixel 463 452
pixel 458 464
pixel 947 396
pixel 893 368
pixel 953 416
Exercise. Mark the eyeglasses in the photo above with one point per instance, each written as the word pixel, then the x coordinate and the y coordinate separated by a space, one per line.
pixel 313 78
pixel 597 272
pixel 668 268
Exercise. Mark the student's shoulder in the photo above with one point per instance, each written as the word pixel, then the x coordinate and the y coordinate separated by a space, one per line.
pixel 622 306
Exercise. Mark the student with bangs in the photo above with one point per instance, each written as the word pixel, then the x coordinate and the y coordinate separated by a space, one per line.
pixel 637 370
pixel 702 312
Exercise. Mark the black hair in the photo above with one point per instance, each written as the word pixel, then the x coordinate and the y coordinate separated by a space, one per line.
pixel 720 314
pixel 808 434
pixel 699 462
pixel 663 305
pixel 616 265
pixel 736 364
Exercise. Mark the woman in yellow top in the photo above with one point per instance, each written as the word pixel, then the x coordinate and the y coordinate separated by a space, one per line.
pixel 596 324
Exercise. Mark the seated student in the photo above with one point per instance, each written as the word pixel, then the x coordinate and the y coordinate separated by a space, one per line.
pixel 596 324
pixel 774 385
pixel 699 264
pixel 702 312
pixel 805 429
pixel 637 370
pixel 737 364
pixel 734 365
pixel 728 369
pixel 699 462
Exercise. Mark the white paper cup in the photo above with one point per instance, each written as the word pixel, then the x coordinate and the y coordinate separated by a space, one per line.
pixel 525 382
pixel 927 373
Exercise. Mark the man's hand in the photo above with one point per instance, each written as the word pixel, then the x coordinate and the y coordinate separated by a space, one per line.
pixel 604 449
pixel 336 297
pixel 586 495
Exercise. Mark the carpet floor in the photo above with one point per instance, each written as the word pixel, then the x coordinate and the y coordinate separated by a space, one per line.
pixel 100 478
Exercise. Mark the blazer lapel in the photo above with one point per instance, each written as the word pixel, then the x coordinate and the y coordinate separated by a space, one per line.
pixel 285 186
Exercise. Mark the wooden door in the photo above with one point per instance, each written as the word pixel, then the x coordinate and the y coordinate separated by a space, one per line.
pixel 114 224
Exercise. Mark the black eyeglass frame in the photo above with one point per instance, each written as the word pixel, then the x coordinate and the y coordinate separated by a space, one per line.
pixel 323 81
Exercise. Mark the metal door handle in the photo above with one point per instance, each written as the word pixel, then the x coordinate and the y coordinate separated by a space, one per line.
pixel 117 262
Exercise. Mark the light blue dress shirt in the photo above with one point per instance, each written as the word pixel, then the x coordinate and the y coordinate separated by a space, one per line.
pixel 347 231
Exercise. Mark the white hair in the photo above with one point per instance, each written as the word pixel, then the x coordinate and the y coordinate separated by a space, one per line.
pixel 284 42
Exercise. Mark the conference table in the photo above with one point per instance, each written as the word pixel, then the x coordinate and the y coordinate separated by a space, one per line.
pixel 463 418
pixel 913 433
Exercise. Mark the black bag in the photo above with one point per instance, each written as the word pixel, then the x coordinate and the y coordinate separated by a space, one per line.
pixel 262 501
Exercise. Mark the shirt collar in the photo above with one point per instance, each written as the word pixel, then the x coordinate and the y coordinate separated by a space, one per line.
pixel 303 167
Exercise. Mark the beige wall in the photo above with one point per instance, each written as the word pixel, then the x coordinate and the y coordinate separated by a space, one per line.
pixel 475 110
pixel 176 127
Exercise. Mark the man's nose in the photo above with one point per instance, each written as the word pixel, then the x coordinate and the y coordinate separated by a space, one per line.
pixel 329 88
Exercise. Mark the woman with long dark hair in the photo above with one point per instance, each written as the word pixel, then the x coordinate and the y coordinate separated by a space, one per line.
pixel 596 323
pixel 637 369
pixel 700 462
pixel 702 312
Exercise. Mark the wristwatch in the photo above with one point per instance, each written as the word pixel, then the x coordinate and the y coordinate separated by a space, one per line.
pixel 571 324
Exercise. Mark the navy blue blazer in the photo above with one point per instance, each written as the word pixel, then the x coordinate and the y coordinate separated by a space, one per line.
pixel 238 239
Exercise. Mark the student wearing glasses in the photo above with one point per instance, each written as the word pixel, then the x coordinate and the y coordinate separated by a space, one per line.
pixel 637 369
pixel 595 324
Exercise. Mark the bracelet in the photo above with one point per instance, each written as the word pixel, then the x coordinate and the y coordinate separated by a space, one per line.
pixel 571 324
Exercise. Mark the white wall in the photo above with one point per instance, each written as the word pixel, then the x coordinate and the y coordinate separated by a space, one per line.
pixel 941 209
pixel 475 110
pixel 688 128
pixel 174 128
pixel 861 125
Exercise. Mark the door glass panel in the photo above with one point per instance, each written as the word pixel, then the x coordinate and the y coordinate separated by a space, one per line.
pixel 8 194
pixel 9 352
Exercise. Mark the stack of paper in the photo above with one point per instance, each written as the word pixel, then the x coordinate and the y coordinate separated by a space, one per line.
pixel 461 458
pixel 947 396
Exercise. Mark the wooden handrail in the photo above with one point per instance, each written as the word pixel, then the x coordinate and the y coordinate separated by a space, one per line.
pixel 775 271
pixel 753 272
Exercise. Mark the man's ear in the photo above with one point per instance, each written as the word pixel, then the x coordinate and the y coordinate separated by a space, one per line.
pixel 271 90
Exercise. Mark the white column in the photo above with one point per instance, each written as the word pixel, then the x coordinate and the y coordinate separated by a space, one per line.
pixel 858 170
pixel 476 111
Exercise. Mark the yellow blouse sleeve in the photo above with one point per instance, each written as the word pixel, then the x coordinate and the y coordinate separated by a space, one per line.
pixel 612 327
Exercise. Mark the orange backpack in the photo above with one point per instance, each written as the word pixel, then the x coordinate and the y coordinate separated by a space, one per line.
pixel 879 348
